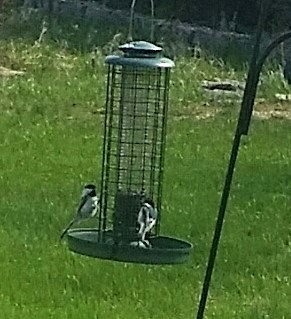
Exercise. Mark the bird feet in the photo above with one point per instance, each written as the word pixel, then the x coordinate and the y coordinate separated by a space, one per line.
pixel 141 244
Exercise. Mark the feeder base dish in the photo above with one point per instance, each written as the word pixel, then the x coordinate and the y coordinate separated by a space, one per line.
pixel 162 250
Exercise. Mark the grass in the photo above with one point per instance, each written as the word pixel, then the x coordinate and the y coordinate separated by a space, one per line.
pixel 51 135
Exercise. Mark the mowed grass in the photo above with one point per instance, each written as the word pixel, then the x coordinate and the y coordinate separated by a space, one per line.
pixel 51 140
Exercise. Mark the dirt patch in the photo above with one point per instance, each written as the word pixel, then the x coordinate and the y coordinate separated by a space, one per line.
pixel 5 72
pixel 230 93
pixel 279 110
pixel 263 110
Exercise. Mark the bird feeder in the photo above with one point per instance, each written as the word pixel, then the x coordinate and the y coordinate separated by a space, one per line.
pixel 134 143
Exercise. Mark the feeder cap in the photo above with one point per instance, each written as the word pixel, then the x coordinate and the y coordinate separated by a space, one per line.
pixel 140 54
pixel 138 48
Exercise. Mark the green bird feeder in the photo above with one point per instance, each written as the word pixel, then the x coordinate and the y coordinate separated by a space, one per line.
pixel 134 143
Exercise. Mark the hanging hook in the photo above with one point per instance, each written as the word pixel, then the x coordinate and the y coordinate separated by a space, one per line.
pixel 129 37
pixel 131 21
pixel 152 18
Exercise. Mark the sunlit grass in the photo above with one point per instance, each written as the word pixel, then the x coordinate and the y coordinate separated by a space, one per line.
pixel 51 141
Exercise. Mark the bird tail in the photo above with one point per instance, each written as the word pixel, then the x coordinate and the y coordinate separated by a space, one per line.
pixel 67 228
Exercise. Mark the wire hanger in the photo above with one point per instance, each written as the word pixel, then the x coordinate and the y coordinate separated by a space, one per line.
pixel 131 21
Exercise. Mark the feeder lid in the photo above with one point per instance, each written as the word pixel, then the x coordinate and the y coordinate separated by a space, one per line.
pixel 140 47
pixel 140 54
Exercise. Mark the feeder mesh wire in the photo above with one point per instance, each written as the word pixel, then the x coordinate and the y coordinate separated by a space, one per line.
pixel 135 143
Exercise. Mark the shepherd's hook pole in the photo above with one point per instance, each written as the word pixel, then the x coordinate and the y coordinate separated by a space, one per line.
pixel 242 128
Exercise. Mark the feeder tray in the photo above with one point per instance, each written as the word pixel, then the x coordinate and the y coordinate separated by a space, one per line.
pixel 163 250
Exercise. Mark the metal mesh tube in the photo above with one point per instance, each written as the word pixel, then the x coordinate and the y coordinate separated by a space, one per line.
pixel 135 137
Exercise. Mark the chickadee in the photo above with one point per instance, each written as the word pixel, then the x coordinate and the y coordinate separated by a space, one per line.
pixel 147 218
pixel 87 208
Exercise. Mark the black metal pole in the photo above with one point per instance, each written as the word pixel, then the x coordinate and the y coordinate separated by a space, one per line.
pixel 218 227
pixel 242 128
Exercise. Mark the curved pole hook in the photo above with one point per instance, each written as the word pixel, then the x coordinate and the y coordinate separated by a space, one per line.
pixel 248 104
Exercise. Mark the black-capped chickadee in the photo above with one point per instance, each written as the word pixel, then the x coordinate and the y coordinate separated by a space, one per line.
pixel 147 218
pixel 88 207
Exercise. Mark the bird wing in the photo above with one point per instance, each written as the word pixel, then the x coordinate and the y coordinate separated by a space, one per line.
pixel 76 218
pixel 147 219
pixel 155 213
pixel 82 202
pixel 152 213
pixel 141 215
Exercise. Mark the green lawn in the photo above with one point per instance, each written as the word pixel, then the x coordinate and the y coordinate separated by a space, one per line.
pixel 51 135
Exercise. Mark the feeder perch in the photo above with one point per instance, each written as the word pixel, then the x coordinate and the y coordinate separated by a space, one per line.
pixel 133 161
